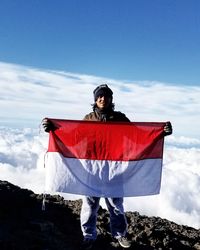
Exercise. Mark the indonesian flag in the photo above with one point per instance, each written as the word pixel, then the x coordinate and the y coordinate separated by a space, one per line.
pixel 105 159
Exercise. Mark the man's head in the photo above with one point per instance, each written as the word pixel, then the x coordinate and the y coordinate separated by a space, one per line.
pixel 102 90
pixel 103 96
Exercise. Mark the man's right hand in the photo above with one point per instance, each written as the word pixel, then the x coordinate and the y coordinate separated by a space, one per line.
pixel 47 125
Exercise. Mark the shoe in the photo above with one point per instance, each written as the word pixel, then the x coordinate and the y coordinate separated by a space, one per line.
pixel 124 242
pixel 87 244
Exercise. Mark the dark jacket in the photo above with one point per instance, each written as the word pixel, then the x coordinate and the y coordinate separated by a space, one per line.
pixel 114 116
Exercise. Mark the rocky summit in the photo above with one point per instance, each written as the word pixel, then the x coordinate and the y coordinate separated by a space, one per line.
pixel 24 225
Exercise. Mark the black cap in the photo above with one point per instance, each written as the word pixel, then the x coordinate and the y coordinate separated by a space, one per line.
pixel 103 90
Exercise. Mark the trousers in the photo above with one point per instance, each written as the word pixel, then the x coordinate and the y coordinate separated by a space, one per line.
pixel 88 217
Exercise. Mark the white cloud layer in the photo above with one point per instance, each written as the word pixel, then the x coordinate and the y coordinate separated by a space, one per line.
pixel 22 163
pixel 27 95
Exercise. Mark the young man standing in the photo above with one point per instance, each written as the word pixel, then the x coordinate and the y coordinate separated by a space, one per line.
pixel 103 110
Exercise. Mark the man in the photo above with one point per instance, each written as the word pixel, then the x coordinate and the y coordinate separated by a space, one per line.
pixel 103 110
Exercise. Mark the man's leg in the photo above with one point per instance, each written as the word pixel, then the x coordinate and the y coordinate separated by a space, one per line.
pixel 118 223
pixel 88 217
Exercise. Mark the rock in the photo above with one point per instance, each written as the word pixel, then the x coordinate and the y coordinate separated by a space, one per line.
pixel 25 226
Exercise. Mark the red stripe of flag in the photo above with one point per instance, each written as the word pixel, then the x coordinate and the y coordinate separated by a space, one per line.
pixel 107 141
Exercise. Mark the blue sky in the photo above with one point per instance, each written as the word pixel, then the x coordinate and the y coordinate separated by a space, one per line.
pixel 155 40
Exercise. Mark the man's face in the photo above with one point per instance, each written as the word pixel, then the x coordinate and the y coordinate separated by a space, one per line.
pixel 103 101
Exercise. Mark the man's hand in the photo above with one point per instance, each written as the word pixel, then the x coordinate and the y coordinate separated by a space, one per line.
pixel 168 128
pixel 47 125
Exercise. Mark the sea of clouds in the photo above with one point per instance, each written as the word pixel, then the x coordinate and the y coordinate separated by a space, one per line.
pixel 28 94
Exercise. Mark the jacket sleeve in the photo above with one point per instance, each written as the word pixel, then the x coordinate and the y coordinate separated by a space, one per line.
pixel 86 118
pixel 121 117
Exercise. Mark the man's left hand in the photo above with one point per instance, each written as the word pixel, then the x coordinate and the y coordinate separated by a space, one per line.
pixel 168 128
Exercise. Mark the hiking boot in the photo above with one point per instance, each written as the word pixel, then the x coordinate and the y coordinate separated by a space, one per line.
pixel 124 242
pixel 87 244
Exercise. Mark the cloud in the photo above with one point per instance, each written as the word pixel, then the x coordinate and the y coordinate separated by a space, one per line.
pixel 29 94
pixel 22 163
